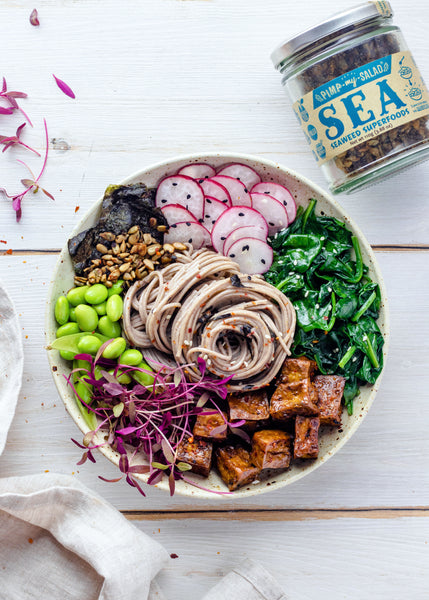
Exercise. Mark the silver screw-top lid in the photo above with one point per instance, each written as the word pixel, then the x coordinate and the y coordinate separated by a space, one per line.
pixel 344 20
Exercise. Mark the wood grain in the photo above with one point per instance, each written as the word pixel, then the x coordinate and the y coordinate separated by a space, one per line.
pixel 383 465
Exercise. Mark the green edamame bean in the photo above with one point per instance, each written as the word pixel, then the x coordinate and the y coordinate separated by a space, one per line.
pixel 114 306
pixel 62 310
pixel 87 318
pixel 96 294
pixel 131 357
pixel 85 393
pixel 77 295
pixel 89 344
pixel 66 355
pixel 109 328
pixel 121 376
pixel 67 329
pixel 145 379
pixel 83 366
pixel 100 309
pixel 97 372
pixel 116 288
pixel 115 348
pixel 72 316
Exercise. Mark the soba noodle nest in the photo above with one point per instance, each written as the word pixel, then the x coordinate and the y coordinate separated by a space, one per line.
pixel 202 306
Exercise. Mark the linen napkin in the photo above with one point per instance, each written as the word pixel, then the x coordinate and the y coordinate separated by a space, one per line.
pixel 11 363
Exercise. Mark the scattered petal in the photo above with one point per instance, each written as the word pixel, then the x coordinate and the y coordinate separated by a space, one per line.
pixel 34 18
pixel 66 89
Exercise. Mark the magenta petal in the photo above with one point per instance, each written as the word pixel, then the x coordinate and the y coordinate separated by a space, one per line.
pixel 5 111
pixel 66 89
pixel 34 18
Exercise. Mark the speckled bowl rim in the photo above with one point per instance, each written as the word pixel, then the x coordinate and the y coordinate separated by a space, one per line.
pixel 328 445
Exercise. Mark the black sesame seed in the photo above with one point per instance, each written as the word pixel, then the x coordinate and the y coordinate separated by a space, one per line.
pixel 163 201
pixel 190 241
pixel 213 222
pixel 208 200
pixel 241 214
pixel 200 180
pixel 246 190
pixel 270 223
pixel 225 201
pixel 249 278
pixel 207 216
pixel 268 193
pixel 222 238
pixel 262 261
pixel 188 224
pixel 174 225
pixel 284 202
pixel 200 220
pixel 188 196
pixel 174 183
pixel 232 256
pixel 245 248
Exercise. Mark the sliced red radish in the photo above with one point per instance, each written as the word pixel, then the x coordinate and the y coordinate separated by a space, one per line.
pixel 180 189
pixel 231 219
pixel 216 190
pixel 272 210
pixel 197 171
pixel 280 193
pixel 188 232
pixel 175 213
pixel 247 231
pixel 212 211
pixel 238 192
pixel 243 173
pixel 252 256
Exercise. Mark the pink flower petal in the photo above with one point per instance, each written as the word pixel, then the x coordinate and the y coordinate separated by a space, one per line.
pixel 66 89
pixel 34 18
pixel 5 111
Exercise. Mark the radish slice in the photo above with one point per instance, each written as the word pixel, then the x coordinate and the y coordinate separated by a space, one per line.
pixel 180 189
pixel 280 193
pixel 237 190
pixel 216 190
pixel 197 171
pixel 248 231
pixel 175 213
pixel 231 219
pixel 243 173
pixel 188 233
pixel 272 210
pixel 212 211
pixel 252 256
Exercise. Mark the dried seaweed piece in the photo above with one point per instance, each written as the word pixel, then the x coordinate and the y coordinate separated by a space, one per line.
pixel 123 207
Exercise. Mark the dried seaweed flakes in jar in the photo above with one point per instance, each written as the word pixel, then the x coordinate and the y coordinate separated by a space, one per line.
pixel 365 123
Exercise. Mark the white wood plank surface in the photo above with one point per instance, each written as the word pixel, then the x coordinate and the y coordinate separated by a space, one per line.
pixel 384 464
pixel 316 559
pixel 158 78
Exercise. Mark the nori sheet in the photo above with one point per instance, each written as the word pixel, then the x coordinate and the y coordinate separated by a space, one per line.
pixel 123 206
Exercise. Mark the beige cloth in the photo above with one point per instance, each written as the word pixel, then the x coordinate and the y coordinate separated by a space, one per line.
pixel 61 541
pixel 11 363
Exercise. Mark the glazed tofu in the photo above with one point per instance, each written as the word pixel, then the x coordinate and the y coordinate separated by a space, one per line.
pixel 211 427
pixel 306 443
pixel 251 406
pixel 329 390
pixel 271 449
pixel 297 369
pixel 235 467
pixel 293 399
pixel 197 453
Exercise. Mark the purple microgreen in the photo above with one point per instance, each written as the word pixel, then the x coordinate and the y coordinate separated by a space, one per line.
pixel 183 466
pixel 34 18
pixel 123 463
pixel 157 465
pixel 110 480
pixel 241 433
pixel 200 487
pixel 171 483
pixel 139 469
pixel 66 89
pixel 134 483
pixel 118 409
pixel 11 98
pixel 15 140
pixel 218 430
pixel 6 111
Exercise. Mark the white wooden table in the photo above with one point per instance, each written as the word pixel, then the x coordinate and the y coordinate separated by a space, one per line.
pixel 153 79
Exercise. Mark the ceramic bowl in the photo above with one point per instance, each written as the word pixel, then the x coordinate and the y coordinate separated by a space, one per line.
pixel 303 190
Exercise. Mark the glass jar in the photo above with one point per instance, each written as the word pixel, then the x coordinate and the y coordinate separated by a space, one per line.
pixel 358 95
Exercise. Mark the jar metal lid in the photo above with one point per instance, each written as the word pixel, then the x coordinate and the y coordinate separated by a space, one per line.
pixel 344 20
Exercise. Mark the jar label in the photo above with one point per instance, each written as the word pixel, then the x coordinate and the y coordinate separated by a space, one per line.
pixel 361 104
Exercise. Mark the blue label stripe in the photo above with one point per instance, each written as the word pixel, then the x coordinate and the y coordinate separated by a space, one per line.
pixel 352 80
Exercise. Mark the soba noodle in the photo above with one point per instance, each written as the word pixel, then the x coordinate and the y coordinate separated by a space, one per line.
pixel 202 306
